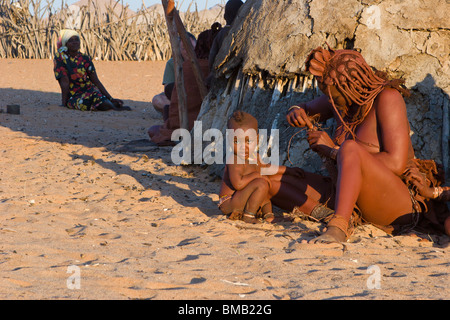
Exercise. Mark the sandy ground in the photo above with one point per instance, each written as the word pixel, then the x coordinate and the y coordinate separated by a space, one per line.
pixel 81 220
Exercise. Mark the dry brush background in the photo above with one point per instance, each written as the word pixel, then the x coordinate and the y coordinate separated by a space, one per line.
pixel 109 31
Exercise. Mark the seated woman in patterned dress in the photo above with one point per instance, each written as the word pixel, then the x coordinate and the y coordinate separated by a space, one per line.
pixel 80 87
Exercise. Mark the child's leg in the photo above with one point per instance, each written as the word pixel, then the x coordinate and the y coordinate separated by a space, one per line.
pixel 266 207
pixel 306 193
pixel 267 212
pixel 248 200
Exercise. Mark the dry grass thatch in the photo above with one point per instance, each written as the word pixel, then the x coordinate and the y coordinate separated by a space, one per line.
pixel 109 31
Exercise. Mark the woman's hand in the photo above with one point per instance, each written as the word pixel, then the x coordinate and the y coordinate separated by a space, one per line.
pixel 117 102
pixel 320 142
pixel 421 184
pixel 297 117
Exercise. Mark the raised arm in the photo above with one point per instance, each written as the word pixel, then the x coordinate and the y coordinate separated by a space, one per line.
pixel 299 115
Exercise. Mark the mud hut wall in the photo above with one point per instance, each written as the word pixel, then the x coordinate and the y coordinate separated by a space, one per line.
pixel 407 39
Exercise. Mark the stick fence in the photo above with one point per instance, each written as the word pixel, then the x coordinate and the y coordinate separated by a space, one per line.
pixel 29 29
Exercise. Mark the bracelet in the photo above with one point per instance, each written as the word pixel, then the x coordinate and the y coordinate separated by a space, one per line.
pixel 334 152
pixel 437 192
pixel 294 107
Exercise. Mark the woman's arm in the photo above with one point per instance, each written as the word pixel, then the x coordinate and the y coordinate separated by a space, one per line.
pixel 62 76
pixel 393 128
pixel 64 84
pixel 117 103
pixel 96 81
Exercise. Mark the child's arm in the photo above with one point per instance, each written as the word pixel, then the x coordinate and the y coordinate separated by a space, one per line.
pixel 237 177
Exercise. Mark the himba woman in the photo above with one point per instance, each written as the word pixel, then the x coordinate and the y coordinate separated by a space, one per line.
pixel 80 86
pixel 371 147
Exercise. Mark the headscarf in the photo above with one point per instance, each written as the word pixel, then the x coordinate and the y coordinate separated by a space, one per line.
pixel 64 36
pixel 353 77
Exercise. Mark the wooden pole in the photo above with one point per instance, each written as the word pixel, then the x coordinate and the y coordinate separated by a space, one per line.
pixel 178 62
pixel 171 11
pixel 191 53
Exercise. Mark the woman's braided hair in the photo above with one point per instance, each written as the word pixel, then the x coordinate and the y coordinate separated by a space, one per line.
pixel 353 77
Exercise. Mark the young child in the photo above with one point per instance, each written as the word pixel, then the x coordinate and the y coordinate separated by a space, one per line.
pixel 244 193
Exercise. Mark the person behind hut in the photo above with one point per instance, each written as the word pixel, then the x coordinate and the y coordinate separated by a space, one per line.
pixel 162 100
pixel 81 88
pixel 161 134
pixel 245 192
pixel 371 147
pixel 231 9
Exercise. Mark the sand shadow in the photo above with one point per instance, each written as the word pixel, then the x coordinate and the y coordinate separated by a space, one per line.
pixel 164 183
pixel 118 132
